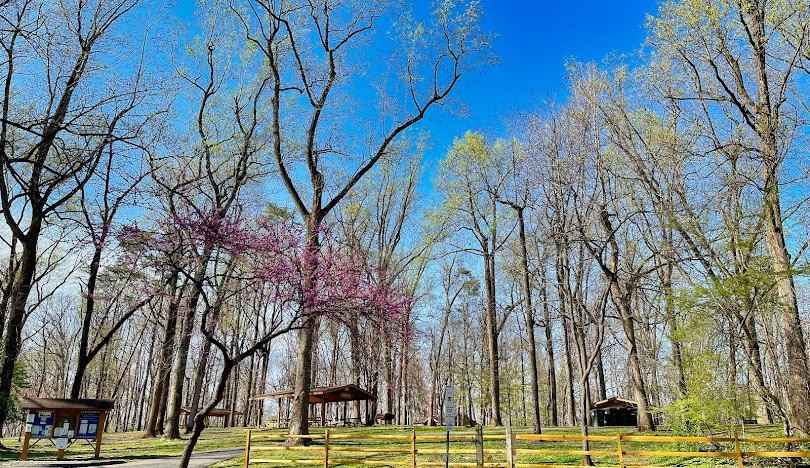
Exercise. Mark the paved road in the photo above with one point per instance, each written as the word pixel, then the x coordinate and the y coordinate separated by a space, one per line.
pixel 199 460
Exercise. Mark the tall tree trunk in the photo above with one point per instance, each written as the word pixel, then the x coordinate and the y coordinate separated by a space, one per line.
pixel 146 380
pixel 645 421
pixel 569 367
pixel 251 383
pixel 600 376
pixel 263 382
pixel 754 354
pixel 669 318
pixel 552 366
pixel 529 318
pixel 621 290
pixel 355 351
pixel 153 416
pixel 8 282
pixel 299 419
pixel 199 380
pixel 17 308
pixel 768 123
pixel 798 370
pixel 178 371
pixel 82 359
pixel 492 340
pixel 389 379
pixel 202 366
pixel 584 421
pixel 199 423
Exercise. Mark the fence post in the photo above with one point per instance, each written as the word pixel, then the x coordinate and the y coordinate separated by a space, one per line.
pixel 620 450
pixel 413 448
pixel 510 448
pixel 247 450
pixel 738 450
pixel 326 449
pixel 479 446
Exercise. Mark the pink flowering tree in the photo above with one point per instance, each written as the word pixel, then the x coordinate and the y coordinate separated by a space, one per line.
pixel 303 283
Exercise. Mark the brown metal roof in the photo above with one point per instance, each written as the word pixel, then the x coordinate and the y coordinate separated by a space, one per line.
pixel 215 413
pixel 349 392
pixel 614 402
pixel 31 403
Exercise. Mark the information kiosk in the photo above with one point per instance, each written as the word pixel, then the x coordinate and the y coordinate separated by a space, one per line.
pixel 63 422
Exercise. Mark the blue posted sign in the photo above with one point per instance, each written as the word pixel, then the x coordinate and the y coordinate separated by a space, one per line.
pixel 39 424
pixel 88 425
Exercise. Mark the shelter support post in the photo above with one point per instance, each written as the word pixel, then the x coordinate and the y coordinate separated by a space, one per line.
pixel 323 414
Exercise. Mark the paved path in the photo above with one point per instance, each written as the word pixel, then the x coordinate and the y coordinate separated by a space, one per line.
pixel 198 460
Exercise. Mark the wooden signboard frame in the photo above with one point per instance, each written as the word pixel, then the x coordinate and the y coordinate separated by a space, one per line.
pixel 68 417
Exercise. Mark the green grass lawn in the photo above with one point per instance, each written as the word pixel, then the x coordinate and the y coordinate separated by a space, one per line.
pixel 130 445
pixel 133 446
pixel 272 438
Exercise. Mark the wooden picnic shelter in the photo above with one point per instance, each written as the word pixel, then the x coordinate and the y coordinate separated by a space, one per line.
pixel 326 398
pixel 614 412
pixel 223 413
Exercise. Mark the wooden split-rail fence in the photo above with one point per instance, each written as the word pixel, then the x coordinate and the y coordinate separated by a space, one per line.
pixel 507 449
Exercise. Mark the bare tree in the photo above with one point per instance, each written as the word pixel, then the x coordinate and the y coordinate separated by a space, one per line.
pixel 315 66
pixel 735 59
pixel 50 152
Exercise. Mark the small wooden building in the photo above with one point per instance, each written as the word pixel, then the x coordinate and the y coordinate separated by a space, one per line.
pixel 614 412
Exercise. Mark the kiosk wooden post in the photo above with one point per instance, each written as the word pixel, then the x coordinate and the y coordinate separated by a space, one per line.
pixel 25 445
pixel 102 419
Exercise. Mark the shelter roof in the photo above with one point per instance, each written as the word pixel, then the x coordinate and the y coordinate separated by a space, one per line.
pixel 82 404
pixel 214 413
pixel 349 392
pixel 614 402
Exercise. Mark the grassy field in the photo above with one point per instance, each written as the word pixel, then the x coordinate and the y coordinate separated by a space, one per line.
pixel 272 438
pixel 131 446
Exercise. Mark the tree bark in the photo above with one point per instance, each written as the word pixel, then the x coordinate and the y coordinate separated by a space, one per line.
pixel 600 376
pixel 178 371
pixel 166 351
pixel 16 318
pixel 569 367
pixel 552 366
pixel 299 419
pixel 82 359
pixel 529 318
pixel 202 366
pixel 798 379
pixel 492 340
pixel 645 421
pixel 199 419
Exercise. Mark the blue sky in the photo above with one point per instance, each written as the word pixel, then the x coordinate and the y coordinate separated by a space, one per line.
pixel 533 41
